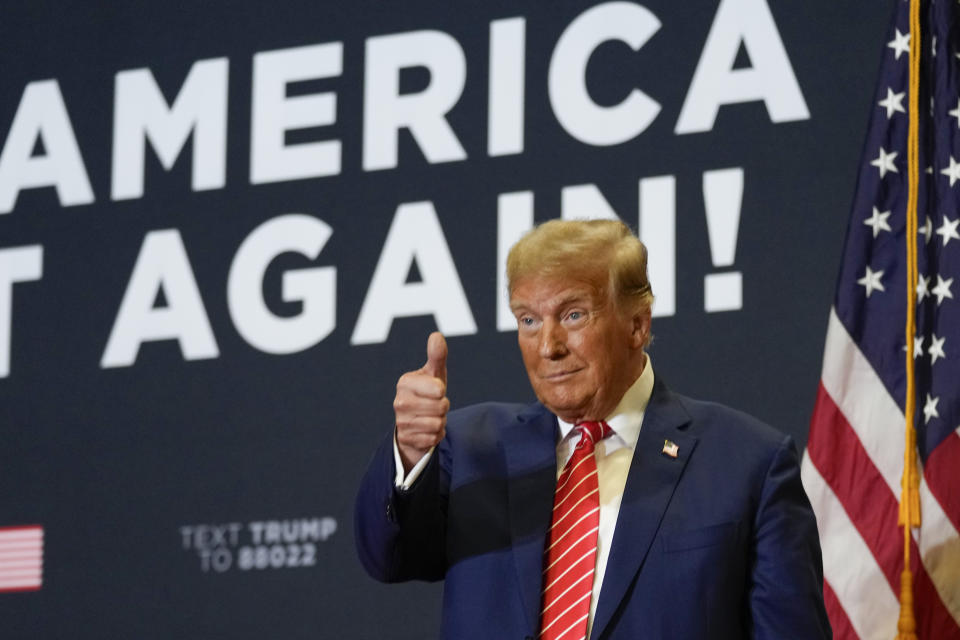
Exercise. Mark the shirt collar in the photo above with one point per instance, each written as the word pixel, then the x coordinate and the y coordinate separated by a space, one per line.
pixel 626 418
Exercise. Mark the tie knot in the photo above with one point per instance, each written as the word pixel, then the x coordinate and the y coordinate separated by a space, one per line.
pixel 592 432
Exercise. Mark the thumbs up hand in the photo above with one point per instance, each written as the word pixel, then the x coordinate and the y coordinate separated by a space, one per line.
pixel 421 404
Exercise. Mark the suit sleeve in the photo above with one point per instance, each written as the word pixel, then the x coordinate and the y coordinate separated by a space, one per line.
pixel 401 533
pixel 786 591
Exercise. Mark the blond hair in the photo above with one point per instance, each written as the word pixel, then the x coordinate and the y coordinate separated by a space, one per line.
pixel 564 248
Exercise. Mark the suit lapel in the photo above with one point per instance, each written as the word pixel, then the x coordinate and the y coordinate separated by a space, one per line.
pixel 530 451
pixel 650 485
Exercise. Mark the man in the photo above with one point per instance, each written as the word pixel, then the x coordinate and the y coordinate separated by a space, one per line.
pixel 692 522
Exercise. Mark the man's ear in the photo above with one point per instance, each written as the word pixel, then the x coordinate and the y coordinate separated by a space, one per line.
pixel 641 327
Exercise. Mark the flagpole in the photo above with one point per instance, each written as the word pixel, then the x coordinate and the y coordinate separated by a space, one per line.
pixel 909 515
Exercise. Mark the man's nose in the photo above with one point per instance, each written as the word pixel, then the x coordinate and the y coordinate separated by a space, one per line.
pixel 552 340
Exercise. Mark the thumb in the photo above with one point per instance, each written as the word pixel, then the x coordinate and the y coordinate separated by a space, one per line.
pixel 436 364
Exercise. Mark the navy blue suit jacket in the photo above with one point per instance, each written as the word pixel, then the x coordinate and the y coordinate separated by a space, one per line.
pixel 719 542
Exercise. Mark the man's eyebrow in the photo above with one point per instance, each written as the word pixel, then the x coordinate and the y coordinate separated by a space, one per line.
pixel 573 298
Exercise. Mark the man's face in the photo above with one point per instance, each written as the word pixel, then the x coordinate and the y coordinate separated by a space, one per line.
pixel 581 353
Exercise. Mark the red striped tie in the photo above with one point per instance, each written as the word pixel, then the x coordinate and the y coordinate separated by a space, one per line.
pixel 571 554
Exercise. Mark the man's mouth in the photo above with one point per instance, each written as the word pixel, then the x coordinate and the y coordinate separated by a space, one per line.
pixel 559 376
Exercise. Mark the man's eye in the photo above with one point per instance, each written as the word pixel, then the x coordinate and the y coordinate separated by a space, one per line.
pixel 575 315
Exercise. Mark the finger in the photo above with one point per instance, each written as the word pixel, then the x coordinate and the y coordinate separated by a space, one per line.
pixel 411 406
pixel 420 384
pixel 422 426
pixel 413 449
pixel 420 442
pixel 436 364
pixel 421 431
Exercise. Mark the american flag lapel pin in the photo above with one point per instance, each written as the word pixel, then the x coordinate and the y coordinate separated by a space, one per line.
pixel 670 448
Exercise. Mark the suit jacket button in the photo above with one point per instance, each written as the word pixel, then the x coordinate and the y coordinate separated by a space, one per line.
pixel 391 516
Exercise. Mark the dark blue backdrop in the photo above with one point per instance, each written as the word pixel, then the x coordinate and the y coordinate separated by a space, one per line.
pixel 194 496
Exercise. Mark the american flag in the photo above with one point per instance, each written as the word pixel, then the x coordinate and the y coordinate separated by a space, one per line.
pixel 854 459
pixel 21 558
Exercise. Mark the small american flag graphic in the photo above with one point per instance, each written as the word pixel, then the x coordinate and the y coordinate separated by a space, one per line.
pixel 670 448
pixel 21 558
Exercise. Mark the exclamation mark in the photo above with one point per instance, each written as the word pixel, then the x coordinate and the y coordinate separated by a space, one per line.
pixel 722 197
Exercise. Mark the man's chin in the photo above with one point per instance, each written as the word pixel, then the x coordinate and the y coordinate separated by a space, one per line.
pixel 564 408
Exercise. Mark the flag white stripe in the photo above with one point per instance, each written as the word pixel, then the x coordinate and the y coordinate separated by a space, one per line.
pixel 30 572
pixel 17 555
pixel 22 574
pixel 36 558
pixel 13 584
pixel 848 564
pixel 848 378
pixel 21 534
pixel 20 562
pixel 17 546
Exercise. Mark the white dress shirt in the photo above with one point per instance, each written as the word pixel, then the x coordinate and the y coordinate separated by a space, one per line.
pixel 614 455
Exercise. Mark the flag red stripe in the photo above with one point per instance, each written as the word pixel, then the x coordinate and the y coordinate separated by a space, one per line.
pixel 31 587
pixel 933 619
pixel 857 483
pixel 942 478
pixel 21 558
pixel 842 629
pixel 872 508
pixel 21 527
